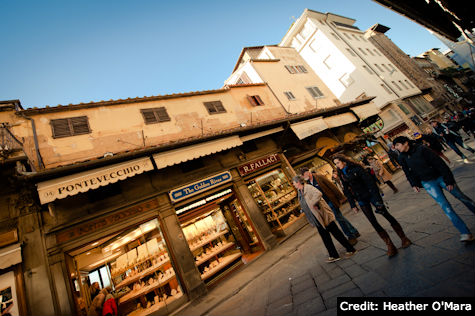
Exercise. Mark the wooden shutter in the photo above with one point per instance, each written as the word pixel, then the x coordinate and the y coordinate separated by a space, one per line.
pixel 256 100
pixel 252 100
pixel 79 125
pixel 162 114
pixel 291 69
pixel 214 107
pixel 60 128
pixel 149 116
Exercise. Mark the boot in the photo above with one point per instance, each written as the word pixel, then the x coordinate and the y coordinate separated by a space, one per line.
pixel 405 241
pixel 392 250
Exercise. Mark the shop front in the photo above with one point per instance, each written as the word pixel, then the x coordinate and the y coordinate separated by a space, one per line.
pixel 12 288
pixel 272 190
pixel 216 226
pixel 124 250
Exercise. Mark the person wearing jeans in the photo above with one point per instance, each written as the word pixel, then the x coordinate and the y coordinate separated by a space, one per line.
pixel 424 168
pixel 452 138
pixel 332 196
pixel 435 190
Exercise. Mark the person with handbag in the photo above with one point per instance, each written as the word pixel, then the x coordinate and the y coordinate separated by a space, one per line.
pixel 319 215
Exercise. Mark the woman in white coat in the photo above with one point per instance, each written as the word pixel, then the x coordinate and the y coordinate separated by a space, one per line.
pixel 320 215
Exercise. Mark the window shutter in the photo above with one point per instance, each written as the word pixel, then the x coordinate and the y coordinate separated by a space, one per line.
pixel 219 106
pixel 252 100
pixel 258 100
pixel 315 92
pixel 79 125
pixel 290 69
pixel 149 116
pixel 60 128
pixel 162 114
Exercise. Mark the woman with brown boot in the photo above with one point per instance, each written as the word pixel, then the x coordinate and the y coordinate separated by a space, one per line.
pixel 357 182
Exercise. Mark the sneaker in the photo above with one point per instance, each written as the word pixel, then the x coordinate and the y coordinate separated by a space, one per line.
pixel 466 160
pixel 466 237
pixel 350 253
pixel 357 235
pixel 331 259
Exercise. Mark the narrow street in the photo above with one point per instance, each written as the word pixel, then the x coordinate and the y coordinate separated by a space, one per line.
pixel 294 279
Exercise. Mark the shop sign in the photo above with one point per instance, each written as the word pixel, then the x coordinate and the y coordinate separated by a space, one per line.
pixel 200 186
pixel 94 226
pixel 374 127
pixel 258 164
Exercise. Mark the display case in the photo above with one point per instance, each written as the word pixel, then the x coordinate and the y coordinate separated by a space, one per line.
pixel 212 243
pixel 277 199
pixel 142 276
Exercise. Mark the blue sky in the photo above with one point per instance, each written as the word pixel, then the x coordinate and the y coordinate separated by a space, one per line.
pixel 62 52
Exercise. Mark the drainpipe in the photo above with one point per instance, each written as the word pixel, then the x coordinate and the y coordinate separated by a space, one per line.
pixel 35 138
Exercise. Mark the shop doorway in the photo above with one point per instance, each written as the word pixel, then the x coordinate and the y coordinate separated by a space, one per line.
pixel 132 268
pixel 220 235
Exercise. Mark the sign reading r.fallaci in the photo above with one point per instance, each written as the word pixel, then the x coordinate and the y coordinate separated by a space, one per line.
pixel 200 186
pixel 258 164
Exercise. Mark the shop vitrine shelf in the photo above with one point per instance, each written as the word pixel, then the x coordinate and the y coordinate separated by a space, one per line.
pixel 208 240
pixel 286 212
pixel 280 196
pixel 222 264
pixel 113 275
pixel 215 253
pixel 142 274
pixel 145 290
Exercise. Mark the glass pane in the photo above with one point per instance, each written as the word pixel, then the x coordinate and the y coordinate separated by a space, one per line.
pixel 94 277
pixel 105 276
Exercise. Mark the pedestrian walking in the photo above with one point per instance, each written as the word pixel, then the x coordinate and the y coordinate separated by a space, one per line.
pixel 448 131
pixel 319 215
pixel 425 169
pixel 381 173
pixel 97 303
pixel 393 156
pixel 359 183
pixel 434 142
pixel 332 196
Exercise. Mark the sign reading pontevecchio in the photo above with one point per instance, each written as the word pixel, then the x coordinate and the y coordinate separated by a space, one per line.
pixel 59 188
pixel 258 164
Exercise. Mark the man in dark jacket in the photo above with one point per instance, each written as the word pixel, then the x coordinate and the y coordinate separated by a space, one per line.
pixel 448 131
pixel 423 168
pixel 332 196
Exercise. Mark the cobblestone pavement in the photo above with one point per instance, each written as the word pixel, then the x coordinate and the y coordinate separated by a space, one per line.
pixel 294 278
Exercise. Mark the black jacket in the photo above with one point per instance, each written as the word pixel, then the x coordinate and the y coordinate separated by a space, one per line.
pixel 358 184
pixel 422 164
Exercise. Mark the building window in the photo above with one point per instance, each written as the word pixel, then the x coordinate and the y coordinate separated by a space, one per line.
pixel 255 100
pixel 369 52
pixel 404 109
pixel 355 37
pixel 315 92
pixel 243 79
pixel 214 107
pixel 346 80
pixel 348 36
pixel 386 88
pixel 395 84
pixel 379 68
pixel 289 95
pixel 402 84
pixel 156 115
pixel 350 51
pixel 313 46
pixel 392 67
pixel 368 70
pixel 409 84
pixel 296 69
pixel 335 36
pixel 327 62
pixel 376 51
pixel 362 51
pixel 386 67
pixel 70 126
